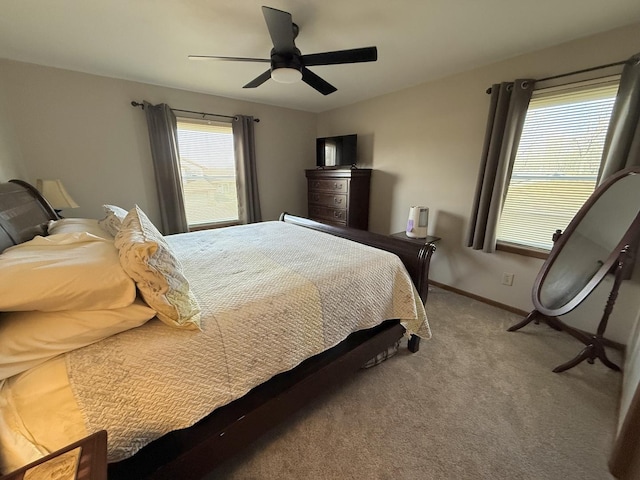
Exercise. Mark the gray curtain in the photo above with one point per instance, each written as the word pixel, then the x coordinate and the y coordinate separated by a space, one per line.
pixel 507 112
pixel 163 135
pixel 247 179
pixel 622 144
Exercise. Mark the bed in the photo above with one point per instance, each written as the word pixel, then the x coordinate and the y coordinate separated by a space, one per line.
pixel 258 321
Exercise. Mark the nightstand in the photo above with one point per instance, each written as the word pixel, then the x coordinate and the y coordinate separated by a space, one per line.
pixel 85 459
pixel 424 248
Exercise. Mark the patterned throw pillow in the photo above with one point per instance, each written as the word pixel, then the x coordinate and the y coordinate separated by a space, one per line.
pixel 113 219
pixel 148 260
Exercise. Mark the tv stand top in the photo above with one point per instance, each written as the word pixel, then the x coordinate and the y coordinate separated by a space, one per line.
pixel 337 167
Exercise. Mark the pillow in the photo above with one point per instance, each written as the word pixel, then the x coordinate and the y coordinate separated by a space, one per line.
pixel 146 257
pixel 72 225
pixel 113 219
pixel 67 271
pixel 30 338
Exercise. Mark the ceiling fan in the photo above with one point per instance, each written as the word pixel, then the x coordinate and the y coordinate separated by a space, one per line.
pixel 288 65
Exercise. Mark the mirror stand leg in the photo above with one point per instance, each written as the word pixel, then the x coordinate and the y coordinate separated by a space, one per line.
pixel 532 317
pixel 604 359
pixel 585 354
pixel 535 317
pixel 595 349
pixel 594 345
pixel 554 323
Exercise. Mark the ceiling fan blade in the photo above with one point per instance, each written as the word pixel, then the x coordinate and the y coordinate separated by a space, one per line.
pixel 259 80
pixel 232 59
pixel 355 55
pixel 280 27
pixel 316 82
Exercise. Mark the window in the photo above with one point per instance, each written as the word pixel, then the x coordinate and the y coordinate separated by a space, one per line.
pixel 207 164
pixel 557 162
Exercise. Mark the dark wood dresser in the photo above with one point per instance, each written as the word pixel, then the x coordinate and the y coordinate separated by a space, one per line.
pixel 340 196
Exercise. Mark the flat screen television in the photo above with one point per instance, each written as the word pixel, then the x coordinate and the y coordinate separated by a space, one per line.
pixel 339 151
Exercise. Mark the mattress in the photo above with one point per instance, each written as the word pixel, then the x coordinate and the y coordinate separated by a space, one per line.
pixel 272 294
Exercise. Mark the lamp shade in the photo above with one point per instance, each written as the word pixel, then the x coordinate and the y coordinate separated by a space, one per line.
pixel 56 194
pixel 286 75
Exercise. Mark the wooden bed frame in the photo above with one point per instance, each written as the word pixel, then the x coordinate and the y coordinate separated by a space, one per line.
pixel 24 213
pixel 193 452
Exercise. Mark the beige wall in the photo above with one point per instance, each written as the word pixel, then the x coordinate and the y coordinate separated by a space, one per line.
pixel 11 164
pixel 82 129
pixel 424 144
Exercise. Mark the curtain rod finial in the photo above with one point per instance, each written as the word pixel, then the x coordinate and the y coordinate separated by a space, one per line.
pixel 137 104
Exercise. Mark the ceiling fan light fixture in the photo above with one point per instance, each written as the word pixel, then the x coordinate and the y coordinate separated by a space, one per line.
pixel 287 64
pixel 286 75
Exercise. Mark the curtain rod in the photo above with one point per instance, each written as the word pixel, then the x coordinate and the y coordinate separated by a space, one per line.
pixel 576 72
pixel 141 105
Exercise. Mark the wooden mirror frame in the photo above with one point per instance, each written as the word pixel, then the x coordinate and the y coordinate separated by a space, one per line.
pixel 627 237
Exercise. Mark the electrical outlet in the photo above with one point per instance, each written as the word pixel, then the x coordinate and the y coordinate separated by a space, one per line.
pixel 507 278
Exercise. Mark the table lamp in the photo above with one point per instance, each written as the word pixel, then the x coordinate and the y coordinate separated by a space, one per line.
pixel 56 194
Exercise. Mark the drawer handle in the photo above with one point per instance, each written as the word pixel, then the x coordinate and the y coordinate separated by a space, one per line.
pixel 337 186
pixel 337 200
pixel 316 184
pixel 316 197
pixel 337 214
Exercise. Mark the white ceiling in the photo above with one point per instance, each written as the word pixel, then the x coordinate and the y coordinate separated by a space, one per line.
pixel 418 40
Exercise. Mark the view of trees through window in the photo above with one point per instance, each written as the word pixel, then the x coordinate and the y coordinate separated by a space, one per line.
pixel 208 172
pixel 557 162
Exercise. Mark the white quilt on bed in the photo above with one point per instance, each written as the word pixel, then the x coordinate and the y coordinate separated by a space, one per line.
pixel 272 295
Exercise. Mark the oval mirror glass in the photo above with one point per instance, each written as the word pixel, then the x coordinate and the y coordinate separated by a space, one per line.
pixel 590 245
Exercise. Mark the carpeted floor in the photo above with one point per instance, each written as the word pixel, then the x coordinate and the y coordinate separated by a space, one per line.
pixel 476 402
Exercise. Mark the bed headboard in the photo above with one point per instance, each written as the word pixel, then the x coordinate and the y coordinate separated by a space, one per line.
pixel 24 213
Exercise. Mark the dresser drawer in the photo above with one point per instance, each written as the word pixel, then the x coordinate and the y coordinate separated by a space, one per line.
pixel 336 215
pixel 339 196
pixel 338 185
pixel 328 199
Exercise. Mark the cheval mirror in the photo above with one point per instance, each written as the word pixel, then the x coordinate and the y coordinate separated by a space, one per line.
pixel 599 240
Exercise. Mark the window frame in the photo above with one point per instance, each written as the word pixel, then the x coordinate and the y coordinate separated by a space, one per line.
pixel 527 250
pixel 222 223
pixel 523 250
